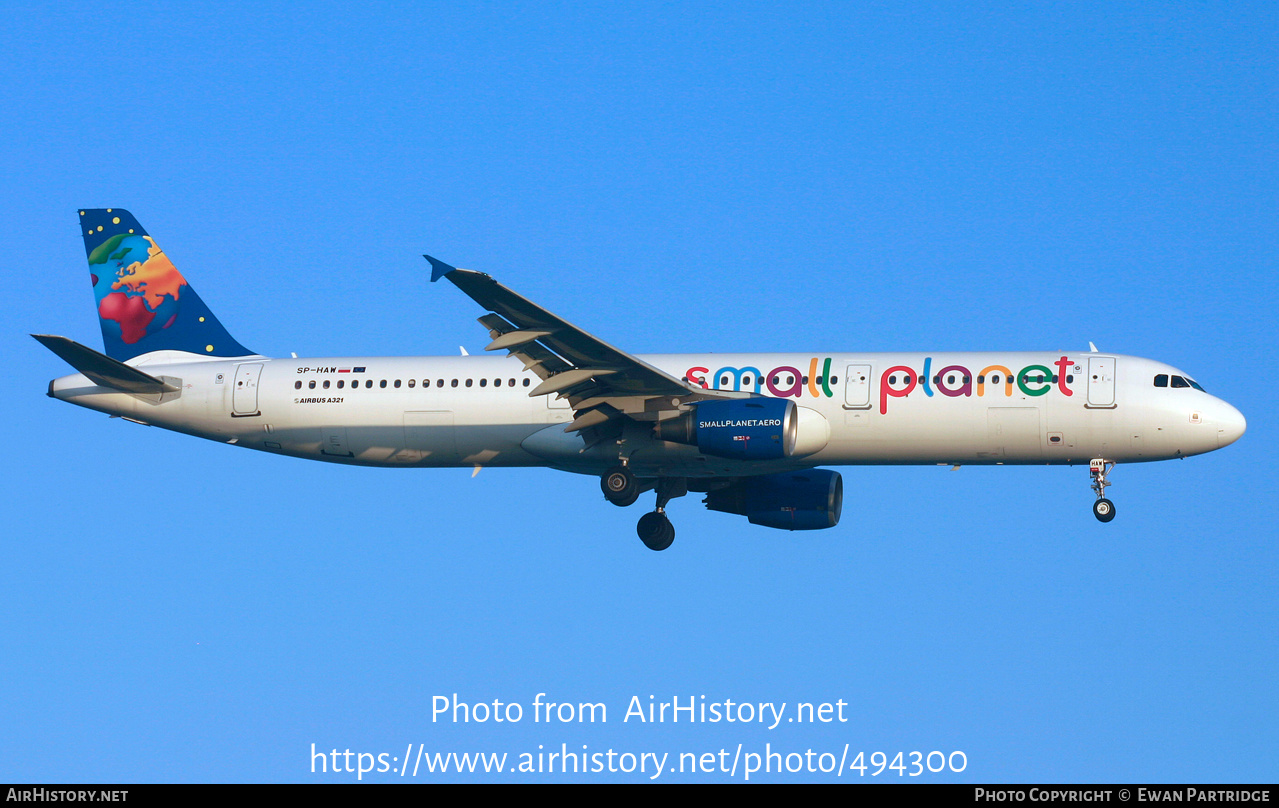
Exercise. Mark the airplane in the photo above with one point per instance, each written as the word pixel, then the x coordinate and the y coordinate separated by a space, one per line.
pixel 747 430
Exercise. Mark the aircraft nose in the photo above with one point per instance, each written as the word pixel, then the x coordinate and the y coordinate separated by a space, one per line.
pixel 1230 425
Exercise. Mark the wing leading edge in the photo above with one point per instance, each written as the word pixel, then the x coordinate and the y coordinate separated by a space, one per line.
pixel 602 383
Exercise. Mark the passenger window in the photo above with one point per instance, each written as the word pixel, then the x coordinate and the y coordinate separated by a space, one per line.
pixel 397 382
pixel 526 382
pixel 341 383
pixel 1069 378
pixel 412 382
pixel 382 383
pixel 468 382
pixel 950 378
pixel 440 383
pixel 311 384
pixel 484 382
pixel 297 385
pixel 497 382
pixel 326 384
pixel 453 383
pixel 511 383
pixel 892 379
pixel 367 383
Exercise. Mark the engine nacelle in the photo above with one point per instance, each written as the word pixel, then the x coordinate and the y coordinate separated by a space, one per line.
pixel 793 500
pixel 743 429
pixel 748 429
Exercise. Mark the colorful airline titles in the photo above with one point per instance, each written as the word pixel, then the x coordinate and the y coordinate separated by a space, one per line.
pixel 1032 385
pixel 818 382
pixel 1033 380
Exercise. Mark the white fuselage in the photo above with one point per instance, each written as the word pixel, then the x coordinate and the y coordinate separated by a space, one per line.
pixel 897 408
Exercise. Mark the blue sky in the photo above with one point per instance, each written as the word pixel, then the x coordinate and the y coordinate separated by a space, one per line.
pixel 732 177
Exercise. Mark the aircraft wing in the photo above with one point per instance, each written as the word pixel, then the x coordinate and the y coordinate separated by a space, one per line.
pixel 601 383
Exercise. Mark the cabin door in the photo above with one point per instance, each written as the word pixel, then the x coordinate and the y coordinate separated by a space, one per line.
pixel 1101 381
pixel 244 395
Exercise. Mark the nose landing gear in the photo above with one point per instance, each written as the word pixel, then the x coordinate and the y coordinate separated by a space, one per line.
pixel 1103 508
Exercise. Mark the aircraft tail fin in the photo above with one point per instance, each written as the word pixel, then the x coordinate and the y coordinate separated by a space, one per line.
pixel 144 304
pixel 102 370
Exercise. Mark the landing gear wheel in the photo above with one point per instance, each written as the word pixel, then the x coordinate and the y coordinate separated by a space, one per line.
pixel 655 530
pixel 620 486
pixel 1104 510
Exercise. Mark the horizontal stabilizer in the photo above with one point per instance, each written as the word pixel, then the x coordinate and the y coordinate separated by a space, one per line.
pixel 102 370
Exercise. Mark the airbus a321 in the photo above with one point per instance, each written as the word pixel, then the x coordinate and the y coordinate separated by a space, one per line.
pixel 747 430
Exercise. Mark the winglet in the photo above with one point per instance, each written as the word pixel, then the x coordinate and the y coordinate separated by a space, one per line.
pixel 438 268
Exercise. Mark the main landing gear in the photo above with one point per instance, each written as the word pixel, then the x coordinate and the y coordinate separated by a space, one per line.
pixel 1103 508
pixel 656 530
pixel 622 488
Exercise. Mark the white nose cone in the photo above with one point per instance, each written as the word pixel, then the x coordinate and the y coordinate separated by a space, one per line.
pixel 1230 425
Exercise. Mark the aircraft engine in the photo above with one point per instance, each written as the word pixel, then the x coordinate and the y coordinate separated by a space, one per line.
pixel 793 500
pixel 748 429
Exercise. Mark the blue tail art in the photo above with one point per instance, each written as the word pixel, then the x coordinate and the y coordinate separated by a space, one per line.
pixel 144 303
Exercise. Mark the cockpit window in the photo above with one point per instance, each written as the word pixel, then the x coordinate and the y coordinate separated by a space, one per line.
pixel 1177 381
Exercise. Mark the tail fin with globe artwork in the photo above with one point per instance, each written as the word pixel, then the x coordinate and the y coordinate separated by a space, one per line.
pixel 144 304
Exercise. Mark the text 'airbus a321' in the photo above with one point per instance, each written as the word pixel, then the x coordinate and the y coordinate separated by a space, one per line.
pixel 746 430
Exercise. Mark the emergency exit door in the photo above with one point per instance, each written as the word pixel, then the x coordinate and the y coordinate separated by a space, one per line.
pixel 857 387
